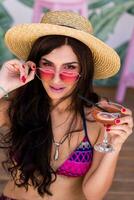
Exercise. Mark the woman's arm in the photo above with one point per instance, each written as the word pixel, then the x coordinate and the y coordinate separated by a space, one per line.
pixel 96 185
pixel 11 74
pixel 99 178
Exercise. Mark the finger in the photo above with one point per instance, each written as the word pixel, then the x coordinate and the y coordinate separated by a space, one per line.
pixel 31 65
pixel 23 74
pixel 13 61
pixel 28 66
pixel 124 127
pixel 26 69
pixel 13 68
pixel 126 131
pixel 120 136
pixel 16 68
pixel 126 111
pixel 117 140
pixel 31 76
pixel 125 120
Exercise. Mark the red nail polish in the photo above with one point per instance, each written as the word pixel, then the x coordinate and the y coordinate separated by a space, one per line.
pixel 23 78
pixel 23 66
pixel 33 67
pixel 117 121
pixel 108 129
pixel 123 110
pixel 108 126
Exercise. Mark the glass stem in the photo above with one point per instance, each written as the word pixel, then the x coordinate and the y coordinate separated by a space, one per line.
pixel 105 140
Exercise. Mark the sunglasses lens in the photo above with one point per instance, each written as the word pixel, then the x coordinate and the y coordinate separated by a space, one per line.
pixel 69 77
pixel 46 74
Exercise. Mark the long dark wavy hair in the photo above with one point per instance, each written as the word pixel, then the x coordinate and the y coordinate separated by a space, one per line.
pixel 29 140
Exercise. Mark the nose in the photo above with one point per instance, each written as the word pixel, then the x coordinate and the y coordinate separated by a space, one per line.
pixel 56 78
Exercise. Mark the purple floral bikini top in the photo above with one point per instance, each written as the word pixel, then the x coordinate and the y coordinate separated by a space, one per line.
pixel 80 160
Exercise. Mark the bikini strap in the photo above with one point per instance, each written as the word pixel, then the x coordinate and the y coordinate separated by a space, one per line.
pixel 84 125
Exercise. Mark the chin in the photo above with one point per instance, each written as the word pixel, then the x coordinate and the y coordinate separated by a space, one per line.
pixel 54 95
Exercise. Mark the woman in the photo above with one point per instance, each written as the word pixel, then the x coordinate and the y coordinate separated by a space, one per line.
pixel 52 134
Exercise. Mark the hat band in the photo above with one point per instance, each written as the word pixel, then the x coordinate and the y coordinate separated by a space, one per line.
pixel 86 31
pixel 67 26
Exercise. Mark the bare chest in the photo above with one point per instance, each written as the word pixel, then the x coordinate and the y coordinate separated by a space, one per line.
pixel 61 151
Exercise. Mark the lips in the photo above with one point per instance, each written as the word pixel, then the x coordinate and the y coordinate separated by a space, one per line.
pixel 57 89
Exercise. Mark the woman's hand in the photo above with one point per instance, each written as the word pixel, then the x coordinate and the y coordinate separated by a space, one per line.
pixel 121 130
pixel 15 74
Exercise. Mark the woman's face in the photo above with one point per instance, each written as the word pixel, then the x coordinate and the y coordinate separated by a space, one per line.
pixel 59 72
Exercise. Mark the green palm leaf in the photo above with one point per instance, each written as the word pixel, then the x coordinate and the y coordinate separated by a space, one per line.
pixel 105 20
pixel 28 3
pixel 101 3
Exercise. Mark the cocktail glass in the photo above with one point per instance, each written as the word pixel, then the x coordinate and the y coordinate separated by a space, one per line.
pixel 111 112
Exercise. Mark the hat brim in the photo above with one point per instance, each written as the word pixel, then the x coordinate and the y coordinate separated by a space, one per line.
pixel 20 38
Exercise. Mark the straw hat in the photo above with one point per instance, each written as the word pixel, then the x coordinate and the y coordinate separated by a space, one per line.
pixel 20 38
